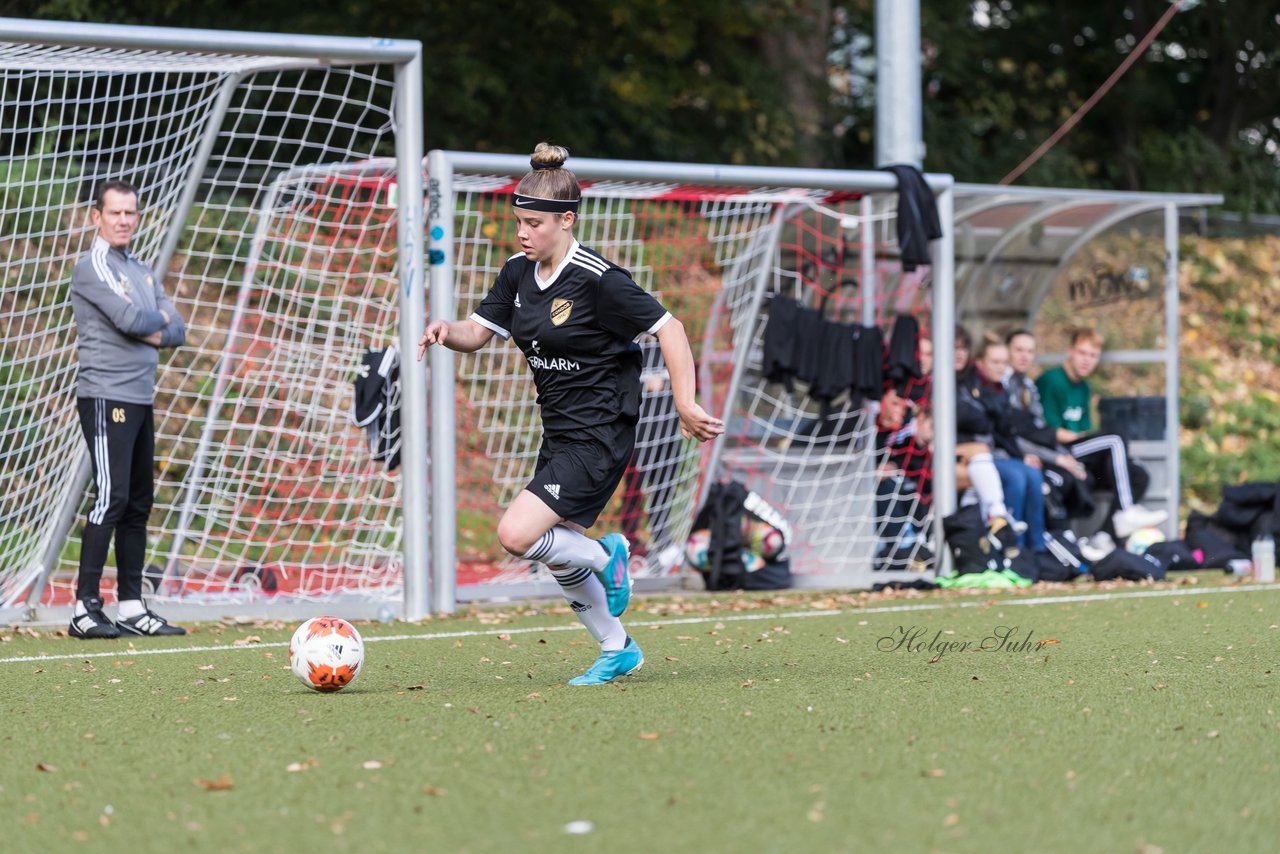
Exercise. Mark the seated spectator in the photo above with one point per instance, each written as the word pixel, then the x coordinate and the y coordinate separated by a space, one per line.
pixel 905 431
pixel 983 415
pixel 1067 401
pixel 1065 474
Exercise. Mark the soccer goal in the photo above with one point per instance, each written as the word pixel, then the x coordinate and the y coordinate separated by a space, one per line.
pixel 717 245
pixel 262 163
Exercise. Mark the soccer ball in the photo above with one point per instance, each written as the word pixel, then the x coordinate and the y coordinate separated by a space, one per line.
pixel 765 540
pixel 326 654
pixel 1142 538
pixel 695 550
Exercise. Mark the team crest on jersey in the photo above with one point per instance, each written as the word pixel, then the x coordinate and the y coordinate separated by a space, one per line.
pixel 560 310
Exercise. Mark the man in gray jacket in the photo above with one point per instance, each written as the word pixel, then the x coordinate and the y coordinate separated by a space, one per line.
pixel 122 319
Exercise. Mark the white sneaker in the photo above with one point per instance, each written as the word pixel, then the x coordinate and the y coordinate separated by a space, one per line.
pixel 1127 521
pixel 1095 548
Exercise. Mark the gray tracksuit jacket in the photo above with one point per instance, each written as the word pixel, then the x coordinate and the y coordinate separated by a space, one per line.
pixel 117 302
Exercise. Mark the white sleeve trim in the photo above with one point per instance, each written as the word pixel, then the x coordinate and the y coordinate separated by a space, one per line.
pixel 489 324
pixel 661 322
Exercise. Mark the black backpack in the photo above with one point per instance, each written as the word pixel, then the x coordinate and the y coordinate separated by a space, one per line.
pixel 723 515
pixel 977 547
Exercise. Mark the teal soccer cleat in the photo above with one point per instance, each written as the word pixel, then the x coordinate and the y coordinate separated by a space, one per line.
pixel 614 576
pixel 610 665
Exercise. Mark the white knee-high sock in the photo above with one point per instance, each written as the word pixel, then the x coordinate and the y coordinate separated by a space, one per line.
pixel 986 482
pixel 586 597
pixel 562 547
pixel 572 557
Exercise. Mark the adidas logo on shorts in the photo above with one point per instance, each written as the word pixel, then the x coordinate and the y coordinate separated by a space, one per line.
pixel 554 489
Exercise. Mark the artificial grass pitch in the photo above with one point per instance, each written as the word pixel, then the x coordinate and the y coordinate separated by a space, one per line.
pixel 794 723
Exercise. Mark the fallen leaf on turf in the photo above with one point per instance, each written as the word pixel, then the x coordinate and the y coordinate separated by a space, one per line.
pixel 951 820
pixel 303 765
pixel 246 641
pixel 433 791
pixel 206 667
pixel 416 688
pixel 45 766
pixel 649 736
pixel 504 637
pixel 221 784
pixel 371 765
pixel 672 658
pixel 935 772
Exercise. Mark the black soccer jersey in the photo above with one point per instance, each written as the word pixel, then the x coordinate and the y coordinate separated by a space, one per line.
pixel 577 330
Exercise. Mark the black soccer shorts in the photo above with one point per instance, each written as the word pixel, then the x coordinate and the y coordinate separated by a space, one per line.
pixel 578 472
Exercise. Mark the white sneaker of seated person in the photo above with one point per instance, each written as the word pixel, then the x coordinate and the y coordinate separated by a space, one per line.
pixel 1126 521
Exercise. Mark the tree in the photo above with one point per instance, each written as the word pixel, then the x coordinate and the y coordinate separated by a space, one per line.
pixel 1197 113
pixel 644 79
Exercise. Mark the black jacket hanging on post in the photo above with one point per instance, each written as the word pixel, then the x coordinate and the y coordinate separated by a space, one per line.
pixel 917 216
pixel 903 361
pixel 779 356
pixel 868 374
pixel 376 403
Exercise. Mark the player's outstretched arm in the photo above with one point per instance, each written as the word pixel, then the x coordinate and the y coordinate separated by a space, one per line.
pixel 463 336
pixel 695 422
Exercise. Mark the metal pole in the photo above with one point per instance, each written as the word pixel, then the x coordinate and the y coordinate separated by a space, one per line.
pixel 944 375
pixel 195 471
pixel 1172 367
pixel 340 49
pixel 440 259
pixel 414 441
pixel 62 523
pixel 697 173
pixel 212 122
pixel 744 334
pixel 868 210
pixel 899 135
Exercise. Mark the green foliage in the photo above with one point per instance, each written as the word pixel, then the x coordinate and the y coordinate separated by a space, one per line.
pixel 1195 113
pixel 725 81
pixel 1231 366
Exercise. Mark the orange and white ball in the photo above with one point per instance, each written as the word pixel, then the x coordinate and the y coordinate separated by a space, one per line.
pixel 326 654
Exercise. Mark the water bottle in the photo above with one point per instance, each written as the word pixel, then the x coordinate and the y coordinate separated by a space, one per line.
pixel 1264 559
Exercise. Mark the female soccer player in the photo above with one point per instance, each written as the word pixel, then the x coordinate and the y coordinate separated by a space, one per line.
pixel 576 316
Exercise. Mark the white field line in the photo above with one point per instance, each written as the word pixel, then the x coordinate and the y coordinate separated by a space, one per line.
pixel 718 618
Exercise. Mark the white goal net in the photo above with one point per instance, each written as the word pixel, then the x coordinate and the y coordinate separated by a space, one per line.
pixel 284 270
pixel 718 257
